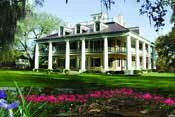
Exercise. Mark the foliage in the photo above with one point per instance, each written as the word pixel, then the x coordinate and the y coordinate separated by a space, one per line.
pixel 137 72
pixel 165 46
pixel 8 56
pixel 66 72
pixel 34 26
pixel 74 103
pixel 11 12
pixel 24 107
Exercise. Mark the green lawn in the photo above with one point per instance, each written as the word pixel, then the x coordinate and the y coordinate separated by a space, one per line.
pixel 154 82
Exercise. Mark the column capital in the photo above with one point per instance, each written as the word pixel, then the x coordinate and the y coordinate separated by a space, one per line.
pixel 67 40
pixel 82 38
pixel 104 37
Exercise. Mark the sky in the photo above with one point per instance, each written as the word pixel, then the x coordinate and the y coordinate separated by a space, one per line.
pixel 80 10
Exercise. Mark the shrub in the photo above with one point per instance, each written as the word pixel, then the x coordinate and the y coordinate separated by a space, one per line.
pixel 58 70
pixel 115 72
pixel 66 71
pixel 138 72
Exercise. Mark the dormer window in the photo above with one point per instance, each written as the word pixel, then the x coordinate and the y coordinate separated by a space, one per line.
pixel 97 26
pixel 67 33
pixel 61 30
pixel 78 28
pixel 84 31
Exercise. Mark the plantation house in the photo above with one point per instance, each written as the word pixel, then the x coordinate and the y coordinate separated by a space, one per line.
pixel 100 44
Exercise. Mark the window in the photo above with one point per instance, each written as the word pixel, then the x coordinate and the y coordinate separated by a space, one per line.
pixel 73 63
pixel 95 62
pixel 140 46
pixel 73 45
pixel 61 62
pixel 86 45
pixel 118 60
pixel 61 30
pixel 109 43
pixel 97 26
pixel 67 33
pixel 110 62
pixel 78 28
pixel 118 43
pixel 84 31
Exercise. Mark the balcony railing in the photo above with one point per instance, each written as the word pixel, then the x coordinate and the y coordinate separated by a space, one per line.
pixel 117 50
pixel 95 50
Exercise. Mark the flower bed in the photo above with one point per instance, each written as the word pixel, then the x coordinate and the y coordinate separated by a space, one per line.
pixel 104 94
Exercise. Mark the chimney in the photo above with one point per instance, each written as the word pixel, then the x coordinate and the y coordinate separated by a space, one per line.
pixel 119 20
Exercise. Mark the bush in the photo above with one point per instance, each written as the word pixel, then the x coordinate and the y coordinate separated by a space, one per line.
pixel 66 71
pixel 138 72
pixel 58 70
pixel 115 72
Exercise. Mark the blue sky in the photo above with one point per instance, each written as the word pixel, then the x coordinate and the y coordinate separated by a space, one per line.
pixel 79 10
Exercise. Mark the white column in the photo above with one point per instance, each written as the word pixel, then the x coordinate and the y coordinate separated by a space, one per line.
pixel 137 55
pixel 83 55
pixel 143 56
pixel 78 61
pixel 128 54
pixel 149 57
pixel 106 66
pixel 154 58
pixel 67 57
pixel 50 56
pixel 36 56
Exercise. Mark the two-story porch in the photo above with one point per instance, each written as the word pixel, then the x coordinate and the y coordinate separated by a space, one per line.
pixel 104 53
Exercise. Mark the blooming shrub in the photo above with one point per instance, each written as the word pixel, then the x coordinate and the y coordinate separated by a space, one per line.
pixel 104 94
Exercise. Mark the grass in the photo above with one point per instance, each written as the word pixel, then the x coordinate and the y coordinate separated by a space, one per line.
pixel 152 82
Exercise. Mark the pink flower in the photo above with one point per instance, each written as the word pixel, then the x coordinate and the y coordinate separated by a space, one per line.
pixel 70 98
pixel 95 94
pixel 30 98
pixel 169 101
pixel 158 98
pixel 51 99
pixel 81 98
pixel 147 96
pixel 137 95
pixel 106 94
pixel 41 98
pixel 61 98
pixel 127 91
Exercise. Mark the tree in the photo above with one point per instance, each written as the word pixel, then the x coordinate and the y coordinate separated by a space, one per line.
pixel 12 11
pixel 165 46
pixel 32 27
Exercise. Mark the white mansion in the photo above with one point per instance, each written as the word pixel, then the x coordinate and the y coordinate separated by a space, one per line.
pixel 102 43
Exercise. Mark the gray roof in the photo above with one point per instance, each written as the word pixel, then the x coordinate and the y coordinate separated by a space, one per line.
pixel 112 27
